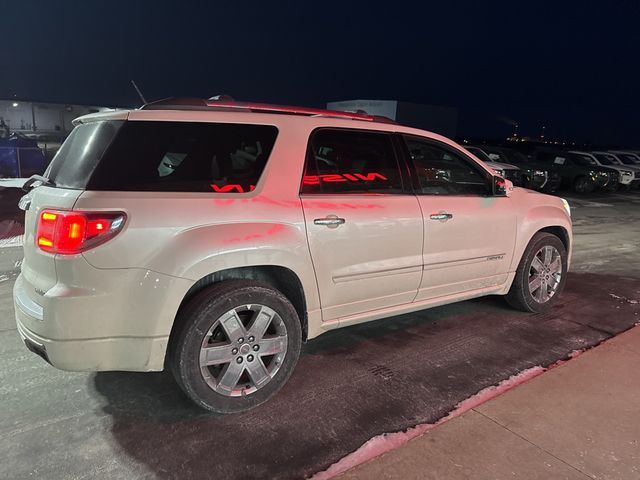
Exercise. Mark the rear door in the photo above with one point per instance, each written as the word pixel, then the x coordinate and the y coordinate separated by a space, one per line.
pixel 469 234
pixel 364 225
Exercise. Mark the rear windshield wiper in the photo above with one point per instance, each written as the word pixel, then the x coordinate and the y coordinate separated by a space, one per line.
pixel 39 179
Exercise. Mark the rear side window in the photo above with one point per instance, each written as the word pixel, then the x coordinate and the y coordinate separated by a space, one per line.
pixel 351 161
pixel 185 157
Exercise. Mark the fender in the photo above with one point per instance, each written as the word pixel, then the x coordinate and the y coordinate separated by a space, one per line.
pixel 536 219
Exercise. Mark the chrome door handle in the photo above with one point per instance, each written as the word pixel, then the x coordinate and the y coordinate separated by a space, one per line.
pixel 442 216
pixel 331 221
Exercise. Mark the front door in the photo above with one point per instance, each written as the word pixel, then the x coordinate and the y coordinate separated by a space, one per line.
pixel 469 233
pixel 363 227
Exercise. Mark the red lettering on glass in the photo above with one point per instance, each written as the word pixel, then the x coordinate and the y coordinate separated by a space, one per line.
pixel 371 177
pixel 343 177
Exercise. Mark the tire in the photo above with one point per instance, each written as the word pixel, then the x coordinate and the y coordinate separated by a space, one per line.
pixel 216 319
pixel 520 295
pixel 611 188
pixel 582 184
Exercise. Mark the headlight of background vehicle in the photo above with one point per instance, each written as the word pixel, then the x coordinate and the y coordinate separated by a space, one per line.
pixel 566 206
pixel 541 173
pixel 499 171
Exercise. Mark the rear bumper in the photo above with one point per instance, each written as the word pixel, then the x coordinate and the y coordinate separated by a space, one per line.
pixel 100 354
pixel 121 320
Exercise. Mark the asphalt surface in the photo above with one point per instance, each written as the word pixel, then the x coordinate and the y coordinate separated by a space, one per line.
pixel 349 386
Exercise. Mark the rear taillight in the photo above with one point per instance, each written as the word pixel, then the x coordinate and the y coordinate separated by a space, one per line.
pixel 70 232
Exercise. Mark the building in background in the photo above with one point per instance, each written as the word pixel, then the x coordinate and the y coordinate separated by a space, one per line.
pixel 27 125
pixel 435 118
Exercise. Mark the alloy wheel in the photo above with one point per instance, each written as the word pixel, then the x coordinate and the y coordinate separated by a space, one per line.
pixel 545 273
pixel 243 350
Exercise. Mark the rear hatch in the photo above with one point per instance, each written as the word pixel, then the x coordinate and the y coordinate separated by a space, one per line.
pixel 68 173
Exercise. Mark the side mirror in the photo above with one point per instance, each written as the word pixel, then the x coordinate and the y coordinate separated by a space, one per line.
pixel 501 186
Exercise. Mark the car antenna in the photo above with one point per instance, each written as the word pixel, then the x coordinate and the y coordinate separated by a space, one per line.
pixel 144 101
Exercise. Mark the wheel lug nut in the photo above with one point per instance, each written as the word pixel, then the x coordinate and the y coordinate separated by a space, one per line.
pixel 239 360
pixel 251 339
pixel 241 340
pixel 256 348
pixel 250 358
pixel 234 351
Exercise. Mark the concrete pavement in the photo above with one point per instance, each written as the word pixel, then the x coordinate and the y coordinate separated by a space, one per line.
pixel 580 420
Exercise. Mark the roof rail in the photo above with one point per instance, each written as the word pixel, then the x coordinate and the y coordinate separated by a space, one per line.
pixel 224 104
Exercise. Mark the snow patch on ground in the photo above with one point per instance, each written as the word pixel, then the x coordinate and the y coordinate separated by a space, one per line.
pixel 15 241
pixel 625 299
pixel 390 441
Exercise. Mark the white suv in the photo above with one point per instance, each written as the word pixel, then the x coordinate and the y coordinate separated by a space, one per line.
pixel 215 237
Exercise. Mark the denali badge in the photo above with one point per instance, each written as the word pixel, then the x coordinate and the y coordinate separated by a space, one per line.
pixel 495 257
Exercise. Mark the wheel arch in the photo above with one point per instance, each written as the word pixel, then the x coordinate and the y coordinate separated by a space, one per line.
pixel 547 219
pixel 279 277
pixel 559 232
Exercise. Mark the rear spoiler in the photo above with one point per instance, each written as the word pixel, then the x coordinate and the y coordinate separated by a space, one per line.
pixel 96 117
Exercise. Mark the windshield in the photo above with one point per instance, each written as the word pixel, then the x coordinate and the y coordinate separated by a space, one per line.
pixel 628 159
pixel 605 159
pixel 513 156
pixel 480 154
pixel 585 160
pixel 497 156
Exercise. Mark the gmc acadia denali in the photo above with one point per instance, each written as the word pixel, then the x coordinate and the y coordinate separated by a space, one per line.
pixel 213 237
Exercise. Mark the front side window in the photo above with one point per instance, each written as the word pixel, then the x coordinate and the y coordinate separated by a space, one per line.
pixel 351 161
pixel 185 157
pixel 442 171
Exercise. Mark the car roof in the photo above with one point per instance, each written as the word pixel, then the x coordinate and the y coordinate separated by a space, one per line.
pixel 223 110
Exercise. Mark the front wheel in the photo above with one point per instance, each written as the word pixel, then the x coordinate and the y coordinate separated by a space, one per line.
pixel 583 185
pixel 236 344
pixel 541 274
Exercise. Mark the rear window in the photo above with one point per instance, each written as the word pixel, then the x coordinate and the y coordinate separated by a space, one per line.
pixel 181 157
pixel 78 156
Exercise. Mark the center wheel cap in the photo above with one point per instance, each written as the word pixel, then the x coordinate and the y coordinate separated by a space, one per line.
pixel 244 349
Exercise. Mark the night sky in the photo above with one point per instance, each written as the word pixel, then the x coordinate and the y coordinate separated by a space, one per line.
pixel 572 66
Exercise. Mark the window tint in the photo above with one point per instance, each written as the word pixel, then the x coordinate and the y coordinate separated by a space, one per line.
pixel 347 161
pixel 185 157
pixel 444 172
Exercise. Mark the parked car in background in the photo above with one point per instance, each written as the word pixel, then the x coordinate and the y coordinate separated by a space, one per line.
pixel 628 160
pixel 534 176
pixel 580 174
pixel 20 157
pixel 626 175
pixel 505 170
pixel 242 230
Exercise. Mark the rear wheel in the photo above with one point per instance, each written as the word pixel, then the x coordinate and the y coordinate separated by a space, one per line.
pixel 583 184
pixel 236 345
pixel 541 274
